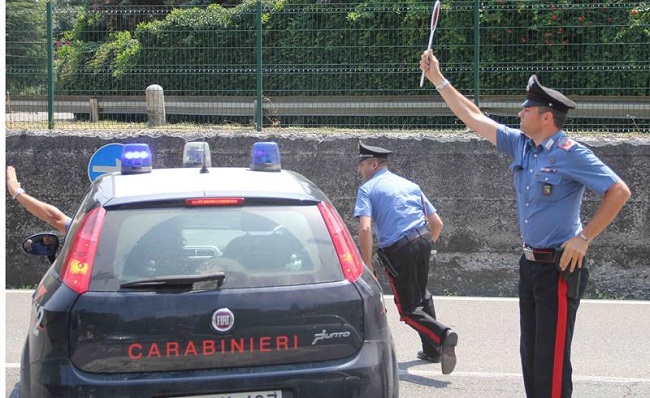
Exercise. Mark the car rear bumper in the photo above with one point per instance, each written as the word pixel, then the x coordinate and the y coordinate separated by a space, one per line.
pixel 372 373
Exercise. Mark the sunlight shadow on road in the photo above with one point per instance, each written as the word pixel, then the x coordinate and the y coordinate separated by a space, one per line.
pixel 406 376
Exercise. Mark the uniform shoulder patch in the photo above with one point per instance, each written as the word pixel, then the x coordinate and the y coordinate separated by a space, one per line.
pixel 566 143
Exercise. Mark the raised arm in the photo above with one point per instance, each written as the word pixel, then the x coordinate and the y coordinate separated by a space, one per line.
pixel 462 107
pixel 44 211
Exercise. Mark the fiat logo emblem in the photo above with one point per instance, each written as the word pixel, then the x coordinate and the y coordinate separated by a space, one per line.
pixel 223 320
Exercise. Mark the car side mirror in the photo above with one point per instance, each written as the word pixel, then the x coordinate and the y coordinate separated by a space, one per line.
pixel 43 244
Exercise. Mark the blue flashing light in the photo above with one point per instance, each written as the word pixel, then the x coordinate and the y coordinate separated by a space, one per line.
pixel 265 156
pixel 136 159
pixel 197 154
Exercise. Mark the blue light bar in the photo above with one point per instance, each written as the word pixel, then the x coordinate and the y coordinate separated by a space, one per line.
pixel 265 156
pixel 197 154
pixel 136 159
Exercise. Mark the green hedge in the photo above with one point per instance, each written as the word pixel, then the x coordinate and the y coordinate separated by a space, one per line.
pixel 363 48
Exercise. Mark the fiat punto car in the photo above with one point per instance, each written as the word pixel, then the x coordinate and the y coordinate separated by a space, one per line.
pixel 208 282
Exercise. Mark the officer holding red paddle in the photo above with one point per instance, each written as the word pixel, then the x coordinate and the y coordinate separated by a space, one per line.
pixel 551 172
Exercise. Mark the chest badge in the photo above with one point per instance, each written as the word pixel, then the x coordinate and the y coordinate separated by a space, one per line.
pixel 547 189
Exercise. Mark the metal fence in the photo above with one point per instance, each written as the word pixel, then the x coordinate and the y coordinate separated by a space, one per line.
pixel 321 63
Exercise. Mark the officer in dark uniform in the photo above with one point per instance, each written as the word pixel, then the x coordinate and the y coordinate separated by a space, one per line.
pixel 551 172
pixel 406 224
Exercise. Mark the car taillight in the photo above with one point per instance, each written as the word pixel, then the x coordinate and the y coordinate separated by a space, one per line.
pixel 78 264
pixel 347 251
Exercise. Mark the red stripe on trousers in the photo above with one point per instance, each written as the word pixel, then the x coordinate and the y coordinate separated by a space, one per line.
pixel 417 326
pixel 560 337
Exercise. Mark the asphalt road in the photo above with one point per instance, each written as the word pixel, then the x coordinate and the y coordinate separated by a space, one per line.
pixel 611 349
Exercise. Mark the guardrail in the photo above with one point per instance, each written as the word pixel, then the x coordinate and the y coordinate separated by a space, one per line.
pixel 420 105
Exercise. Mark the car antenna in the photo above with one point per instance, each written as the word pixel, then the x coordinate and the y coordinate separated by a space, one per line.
pixel 204 168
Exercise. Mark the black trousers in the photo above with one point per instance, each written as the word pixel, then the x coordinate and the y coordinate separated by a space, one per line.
pixel 412 297
pixel 547 320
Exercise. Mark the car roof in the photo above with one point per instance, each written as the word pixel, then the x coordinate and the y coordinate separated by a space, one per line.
pixel 179 183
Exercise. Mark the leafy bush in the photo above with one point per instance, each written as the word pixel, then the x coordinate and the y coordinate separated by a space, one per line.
pixel 26 60
pixel 312 47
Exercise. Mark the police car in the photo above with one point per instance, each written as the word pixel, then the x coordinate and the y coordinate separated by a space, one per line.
pixel 207 282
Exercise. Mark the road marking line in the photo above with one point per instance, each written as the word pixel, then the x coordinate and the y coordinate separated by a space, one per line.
pixel 516 300
pixel 496 375
pixel 12 365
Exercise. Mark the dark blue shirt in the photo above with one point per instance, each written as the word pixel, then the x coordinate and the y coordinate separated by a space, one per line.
pixel 550 180
pixel 40 249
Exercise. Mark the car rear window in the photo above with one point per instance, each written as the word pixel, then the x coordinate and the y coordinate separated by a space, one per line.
pixel 255 246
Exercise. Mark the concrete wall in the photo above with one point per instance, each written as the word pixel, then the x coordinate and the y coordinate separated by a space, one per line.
pixel 466 179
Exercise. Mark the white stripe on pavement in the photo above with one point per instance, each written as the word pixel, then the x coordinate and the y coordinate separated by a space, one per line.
pixel 497 375
pixel 515 300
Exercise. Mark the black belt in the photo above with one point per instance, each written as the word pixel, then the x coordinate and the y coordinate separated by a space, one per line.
pixel 422 232
pixel 540 255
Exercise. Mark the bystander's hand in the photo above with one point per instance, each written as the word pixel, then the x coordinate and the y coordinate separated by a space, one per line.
pixel 12 181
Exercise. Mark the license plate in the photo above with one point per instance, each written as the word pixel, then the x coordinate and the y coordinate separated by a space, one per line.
pixel 249 394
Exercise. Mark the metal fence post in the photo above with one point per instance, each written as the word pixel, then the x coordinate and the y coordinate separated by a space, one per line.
pixel 50 69
pixel 258 105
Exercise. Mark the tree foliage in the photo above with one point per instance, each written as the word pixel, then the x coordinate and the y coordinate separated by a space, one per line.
pixel 26 28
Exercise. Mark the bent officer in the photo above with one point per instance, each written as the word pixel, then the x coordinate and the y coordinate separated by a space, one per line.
pixel 551 172
pixel 44 211
pixel 406 223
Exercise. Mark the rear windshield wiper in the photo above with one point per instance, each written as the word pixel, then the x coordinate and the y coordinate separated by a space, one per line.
pixel 175 281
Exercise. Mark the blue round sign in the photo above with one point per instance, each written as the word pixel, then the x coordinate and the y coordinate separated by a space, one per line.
pixel 105 160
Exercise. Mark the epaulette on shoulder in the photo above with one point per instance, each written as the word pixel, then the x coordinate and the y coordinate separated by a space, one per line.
pixel 566 144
